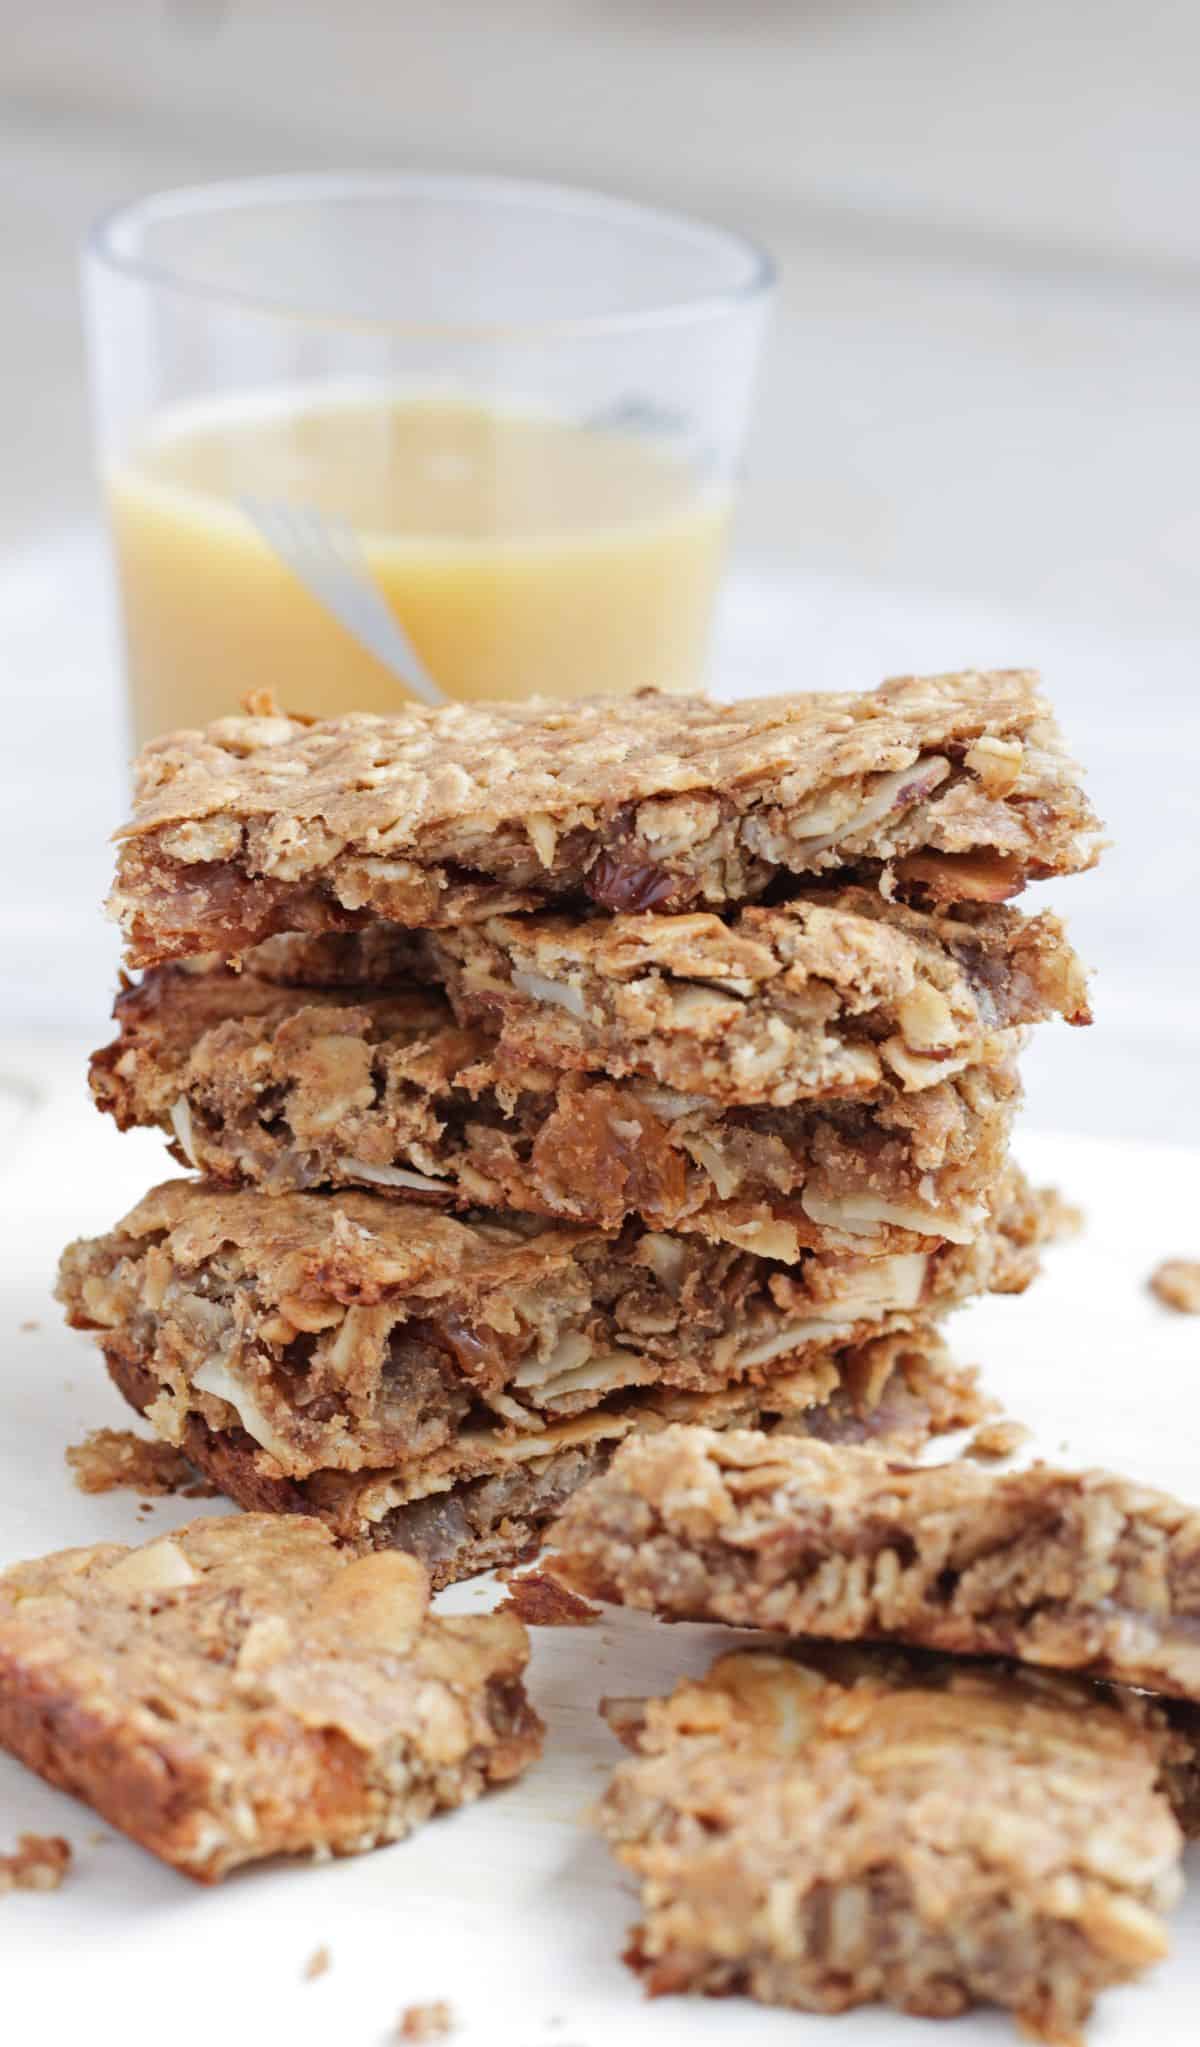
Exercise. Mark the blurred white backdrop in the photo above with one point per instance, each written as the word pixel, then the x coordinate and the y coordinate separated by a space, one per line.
pixel 978 435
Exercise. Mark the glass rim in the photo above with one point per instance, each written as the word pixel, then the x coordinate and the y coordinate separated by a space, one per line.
pixel 102 246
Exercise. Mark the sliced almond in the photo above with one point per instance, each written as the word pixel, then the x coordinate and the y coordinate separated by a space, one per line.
pixel 160 1567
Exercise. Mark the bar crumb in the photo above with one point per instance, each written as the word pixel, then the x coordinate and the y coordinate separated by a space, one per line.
pixel 425 2021
pixel 29 1326
pixel 1176 1282
pixel 541 1602
pixel 319 1963
pixel 108 1460
pixel 998 1439
pixel 39 1863
pixel 1061 1219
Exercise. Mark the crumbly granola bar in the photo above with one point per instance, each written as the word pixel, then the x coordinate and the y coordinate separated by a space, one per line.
pixel 833 993
pixel 239 1689
pixel 1080 1571
pixel 287 1088
pixel 823 1833
pixel 348 1330
pixel 485 1501
pixel 956 786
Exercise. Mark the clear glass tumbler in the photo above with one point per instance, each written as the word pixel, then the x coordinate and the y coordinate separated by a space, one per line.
pixel 527 402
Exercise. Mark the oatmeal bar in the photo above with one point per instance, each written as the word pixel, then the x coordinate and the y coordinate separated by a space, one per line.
pixel 286 1088
pixel 823 1833
pixel 834 993
pixel 485 1499
pixel 955 786
pixel 348 1330
pixel 1080 1571
pixel 238 1689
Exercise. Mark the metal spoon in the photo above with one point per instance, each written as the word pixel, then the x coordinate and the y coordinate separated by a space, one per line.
pixel 326 557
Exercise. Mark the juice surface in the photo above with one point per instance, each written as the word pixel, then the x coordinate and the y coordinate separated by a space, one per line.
pixel 525 555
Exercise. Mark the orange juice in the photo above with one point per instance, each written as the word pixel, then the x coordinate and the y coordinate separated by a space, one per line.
pixel 523 554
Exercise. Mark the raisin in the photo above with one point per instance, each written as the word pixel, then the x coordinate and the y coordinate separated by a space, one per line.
pixel 618 880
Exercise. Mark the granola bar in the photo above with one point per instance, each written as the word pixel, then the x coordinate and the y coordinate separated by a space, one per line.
pixel 825 1832
pixel 348 1330
pixel 485 1499
pixel 833 993
pixel 286 1088
pixel 1080 1571
pixel 238 1689
pixel 955 786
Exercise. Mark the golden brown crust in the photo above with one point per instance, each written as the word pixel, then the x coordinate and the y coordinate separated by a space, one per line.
pixel 264 824
pixel 833 993
pixel 1083 1571
pixel 349 1331
pixel 824 1830
pixel 286 1088
pixel 237 1689
pixel 488 1510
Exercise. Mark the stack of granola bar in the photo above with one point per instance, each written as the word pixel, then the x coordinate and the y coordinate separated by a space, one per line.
pixel 553 1073
pixel 974 1789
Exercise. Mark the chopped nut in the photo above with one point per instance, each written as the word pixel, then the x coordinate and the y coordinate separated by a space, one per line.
pixel 558 993
pixel 160 1567
pixel 380 1599
pixel 267 1641
pixel 880 795
pixel 926 1019
pixel 318 1964
pixel 198 840
pixel 39 1863
pixel 1125 1929
pixel 766 1239
pixel 181 1124
pixel 390 1176
pixel 1176 1282
pixel 963 877
pixel 997 762
pixel 542 835
pixel 425 2021
pixel 918 1070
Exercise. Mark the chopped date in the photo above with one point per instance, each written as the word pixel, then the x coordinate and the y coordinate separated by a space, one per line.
pixel 619 880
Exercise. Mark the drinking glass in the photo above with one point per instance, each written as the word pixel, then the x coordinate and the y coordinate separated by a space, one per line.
pixel 527 402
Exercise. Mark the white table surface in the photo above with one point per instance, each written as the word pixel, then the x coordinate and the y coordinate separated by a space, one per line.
pixel 511 1910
